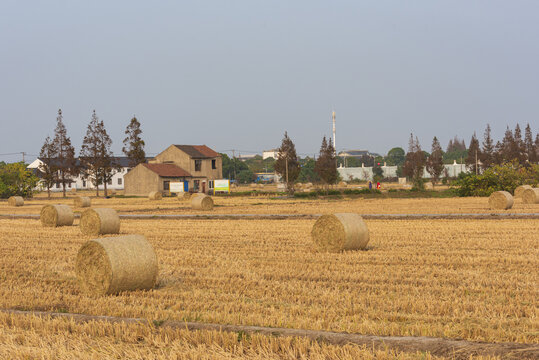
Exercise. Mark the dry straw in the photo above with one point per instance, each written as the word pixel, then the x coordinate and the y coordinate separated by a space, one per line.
pixel 115 264
pixel 519 190
pixel 500 200
pixel 15 201
pixel 338 232
pixel 155 195
pixel 99 222
pixel 82 201
pixel 530 196
pixel 184 196
pixel 202 202
pixel 56 215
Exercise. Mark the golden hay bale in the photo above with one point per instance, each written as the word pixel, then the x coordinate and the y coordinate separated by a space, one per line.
pixel 429 186
pixel 519 190
pixel 252 185
pixel 309 184
pixel 338 232
pixel 184 196
pixel 342 184
pixel 73 190
pixel 202 202
pixel 155 195
pixel 99 222
pixel 530 196
pixel 115 264
pixel 56 215
pixel 15 201
pixel 82 201
pixel 501 200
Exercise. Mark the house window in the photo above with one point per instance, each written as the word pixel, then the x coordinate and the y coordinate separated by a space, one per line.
pixel 198 165
pixel 57 185
pixel 119 181
pixel 214 164
pixel 166 185
pixel 109 182
pixel 83 183
pixel 69 185
pixel 196 185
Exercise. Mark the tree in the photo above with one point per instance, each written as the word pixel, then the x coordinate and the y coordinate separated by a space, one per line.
pixel 48 168
pixel 287 164
pixel 96 155
pixel 435 162
pixel 473 154
pixel 16 179
pixel 326 164
pixel 414 163
pixel 308 174
pixel 537 147
pixel 232 167
pixel 529 146
pixel 66 162
pixel 456 145
pixel 487 151
pixel 133 143
pixel 518 149
pixel 396 156
pixel 246 176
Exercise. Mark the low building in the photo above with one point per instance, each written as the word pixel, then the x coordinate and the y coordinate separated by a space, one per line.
pixel 195 166
pixel 273 153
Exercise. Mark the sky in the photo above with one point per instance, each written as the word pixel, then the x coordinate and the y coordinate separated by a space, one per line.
pixel 238 74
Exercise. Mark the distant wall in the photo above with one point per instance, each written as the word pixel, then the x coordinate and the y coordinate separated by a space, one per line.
pixel 365 173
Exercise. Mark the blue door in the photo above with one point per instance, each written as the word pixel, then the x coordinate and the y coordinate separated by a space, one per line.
pixel 186 186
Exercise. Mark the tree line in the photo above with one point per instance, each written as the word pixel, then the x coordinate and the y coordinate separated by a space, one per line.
pixel 96 162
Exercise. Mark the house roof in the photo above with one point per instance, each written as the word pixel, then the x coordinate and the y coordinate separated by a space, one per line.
pixel 167 170
pixel 198 151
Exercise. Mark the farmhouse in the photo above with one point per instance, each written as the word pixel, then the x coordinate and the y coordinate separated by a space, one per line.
pixel 195 166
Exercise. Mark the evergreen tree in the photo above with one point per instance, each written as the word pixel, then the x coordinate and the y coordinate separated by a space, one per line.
pixel 529 146
pixel 507 146
pixel 287 164
pixel 537 147
pixel 133 143
pixel 487 151
pixel 415 163
pixel 435 162
pixel 48 168
pixel 518 150
pixel 66 162
pixel 473 155
pixel 96 155
pixel 326 164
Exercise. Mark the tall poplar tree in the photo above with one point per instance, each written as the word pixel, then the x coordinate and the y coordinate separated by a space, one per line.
pixel 133 143
pixel 473 155
pixel 529 146
pixel 487 150
pixel 66 162
pixel 414 164
pixel 287 164
pixel 48 169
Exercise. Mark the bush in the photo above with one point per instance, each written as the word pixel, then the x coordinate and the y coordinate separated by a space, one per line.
pixel 504 177
pixel 16 179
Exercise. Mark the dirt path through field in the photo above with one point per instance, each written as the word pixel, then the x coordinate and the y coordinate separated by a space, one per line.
pixel 454 349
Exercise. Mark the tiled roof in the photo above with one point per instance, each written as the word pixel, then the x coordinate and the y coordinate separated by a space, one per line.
pixel 198 151
pixel 167 170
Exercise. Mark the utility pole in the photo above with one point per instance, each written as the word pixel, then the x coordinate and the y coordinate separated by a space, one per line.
pixel 23 154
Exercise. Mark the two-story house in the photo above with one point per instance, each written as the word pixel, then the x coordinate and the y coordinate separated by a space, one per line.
pixel 196 166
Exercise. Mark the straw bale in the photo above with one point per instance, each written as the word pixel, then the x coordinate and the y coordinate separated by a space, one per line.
pixel 338 232
pixel 99 222
pixel 500 200
pixel 530 196
pixel 519 190
pixel 155 195
pixel 15 201
pixel 253 185
pixel 115 264
pixel 202 202
pixel 56 215
pixel 309 184
pixel 82 201
pixel 184 196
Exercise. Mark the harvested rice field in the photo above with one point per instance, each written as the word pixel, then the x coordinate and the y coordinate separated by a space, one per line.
pixel 470 279
pixel 274 205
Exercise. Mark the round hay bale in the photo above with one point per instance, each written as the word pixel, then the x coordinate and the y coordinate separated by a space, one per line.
pixel 252 185
pixel 115 264
pixel 202 202
pixel 82 201
pixel 56 215
pixel 15 201
pixel 519 190
pixel 500 200
pixel 309 184
pixel 530 196
pixel 338 232
pixel 99 222
pixel 155 195
pixel 184 196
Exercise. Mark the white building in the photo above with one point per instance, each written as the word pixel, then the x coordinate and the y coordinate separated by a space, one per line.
pixel 270 154
pixel 80 183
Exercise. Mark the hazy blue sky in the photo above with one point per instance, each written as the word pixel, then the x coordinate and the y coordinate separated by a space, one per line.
pixel 237 74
